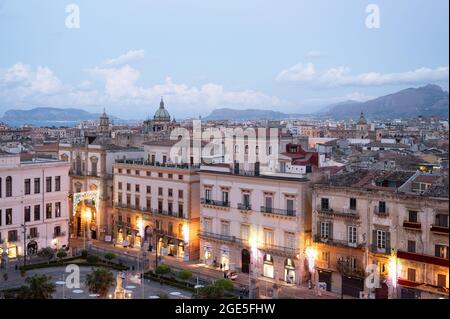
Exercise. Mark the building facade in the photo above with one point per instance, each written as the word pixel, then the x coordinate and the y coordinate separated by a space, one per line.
pixel 33 205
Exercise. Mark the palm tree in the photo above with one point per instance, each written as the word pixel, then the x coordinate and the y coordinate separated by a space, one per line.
pixel 38 287
pixel 99 281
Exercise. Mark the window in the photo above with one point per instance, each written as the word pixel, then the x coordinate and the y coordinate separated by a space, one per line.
pixel 170 208
pixel 246 199
pixel 160 175
pixel 27 214
pixel 207 194
pixel 225 228
pixel 411 274
pixel 48 184
pixel 149 204
pixel 411 246
pixel 325 256
pixel 137 202
pixel 119 198
pixel 128 200
pixel 352 235
pixel 57 183
pixel 160 191
pixel 245 232
pixel 57 209
pixel 27 186
pixel 268 203
pixel 268 237
pixel 148 173
pixel 37 185
pixel 412 216
pixel 381 239
pixel 34 232
pixel 441 251
pixel 57 231
pixel 325 204
pixel 119 170
pixel 180 193
pixel 180 210
pixel 441 280
pixel 37 212
pixel 289 240
pixel 170 176
pixel 138 172
pixel 149 189
pixel 160 206
pixel 48 210
pixel 180 177
pixel 442 220
pixel 170 228
pixel 290 207
pixel 94 166
pixel 12 236
pixel 353 203
pixel 128 187
pixel 119 185
pixel 8 186
pixel 170 192
pixel 324 229
pixel 225 197
pixel 382 207
pixel 8 216
pixel 136 188
pixel 207 225
pixel 1 183
pixel 1 217
pixel 128 171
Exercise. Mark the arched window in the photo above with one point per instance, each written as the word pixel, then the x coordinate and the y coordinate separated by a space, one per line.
pixel 9 186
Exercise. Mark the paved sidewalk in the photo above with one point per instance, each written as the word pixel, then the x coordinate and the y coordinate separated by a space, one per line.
pixel 209 273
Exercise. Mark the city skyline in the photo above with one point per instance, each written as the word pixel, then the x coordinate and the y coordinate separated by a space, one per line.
pixel 294 57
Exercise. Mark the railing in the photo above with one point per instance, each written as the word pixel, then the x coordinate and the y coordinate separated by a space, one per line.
pixel 278 211
pixel 278 248
pixel 166 213
pixel 343 267
pixel 218 236
pixel 31 236
pixel 244 206
pixel 375 249
pixel 384 213
pixel 214 202
pixel 146 210
pixel 412 225
pixel 337 242
pixel 439 229
pixel 245 173
pixel 346 212
pixel 60 234
pixel 142 162
pixel 167 233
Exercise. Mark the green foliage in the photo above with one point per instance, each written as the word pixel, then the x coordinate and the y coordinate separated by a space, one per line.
pixel 163 296
pixel 61 254
pixel 99 281
pixel 110 256
pixel 162 269
pixel 37 287
pixel 84 254
pixel 91 259
pixel 225 284
pixel 46 252
pixel 184 274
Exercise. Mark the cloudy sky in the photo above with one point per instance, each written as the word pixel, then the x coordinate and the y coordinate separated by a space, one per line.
pixel 286 55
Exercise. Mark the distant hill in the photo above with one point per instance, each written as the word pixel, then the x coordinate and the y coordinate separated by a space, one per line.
pixel 249 114
pixel 429 100
pixel 48 116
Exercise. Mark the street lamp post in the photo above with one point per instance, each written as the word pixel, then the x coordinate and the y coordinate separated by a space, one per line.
pixel 24 244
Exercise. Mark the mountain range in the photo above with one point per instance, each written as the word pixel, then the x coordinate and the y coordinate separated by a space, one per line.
pixel 48 116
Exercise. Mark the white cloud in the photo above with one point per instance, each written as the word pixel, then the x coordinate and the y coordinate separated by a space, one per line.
pixel 341 76
pixel 45 81
pixel 18 72
pixel 130 56
pixel 314 54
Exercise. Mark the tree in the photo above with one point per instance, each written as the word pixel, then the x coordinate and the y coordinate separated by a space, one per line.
pixel 61 254
pixel 110 256
pixel 225 284
pixel 184 274
pixel 91 259
pixel 162 269
pixel 99 281
pixel 46 252
pixel 37 287
pixel 210 292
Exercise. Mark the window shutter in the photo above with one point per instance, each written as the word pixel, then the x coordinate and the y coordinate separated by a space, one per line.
pixel 388 242
pixel 330 230
pixel 374 240
pixel 319 230
pixel 437 250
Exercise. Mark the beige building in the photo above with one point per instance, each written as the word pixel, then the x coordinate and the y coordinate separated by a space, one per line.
pixel 157 203
pixel 255 223
pixel 376 218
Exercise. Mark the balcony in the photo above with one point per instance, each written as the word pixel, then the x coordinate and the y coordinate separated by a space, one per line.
pixel 60 234
pixel 438 261
pixel 213 202
pixel 344 268
pixel 377 250
pixel 412 225
pixel 440 229
pixel 33 236
pixel 344 213
pixel 280 250
pixel 141 162
pixel 337 242
pixel 244 207
pixel 277 211
pixel 166 213
pixel 381 213
pixel 209 235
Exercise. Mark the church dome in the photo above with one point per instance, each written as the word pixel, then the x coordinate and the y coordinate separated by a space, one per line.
pixel 161 114
pixel 362 119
